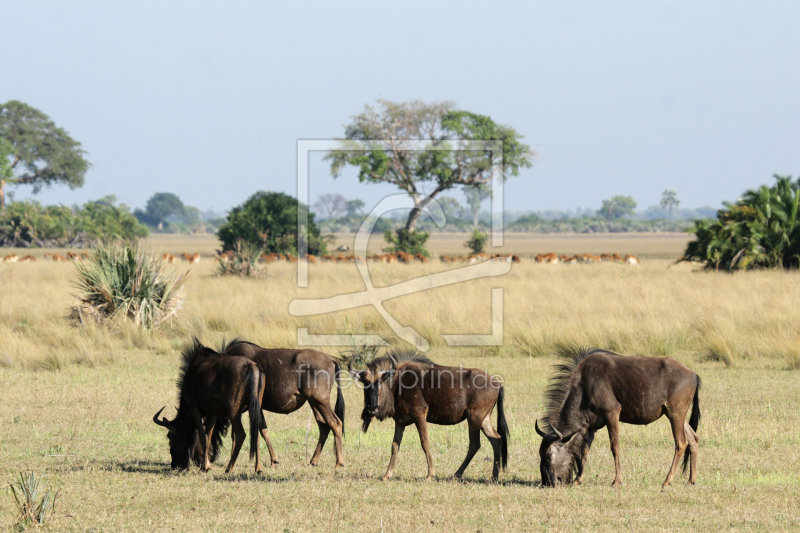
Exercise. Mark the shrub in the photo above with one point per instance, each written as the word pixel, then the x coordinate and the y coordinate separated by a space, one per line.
pixel 477 243
pixel 269 220
pixel 411 242
pixel 241 261
pixel 122 282
pixel 34 503
pixel 761 230
pixel 25 224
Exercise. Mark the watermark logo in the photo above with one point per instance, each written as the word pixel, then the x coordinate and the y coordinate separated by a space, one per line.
pixel 375 296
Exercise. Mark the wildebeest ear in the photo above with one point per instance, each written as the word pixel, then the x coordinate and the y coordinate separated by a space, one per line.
pixel 388 374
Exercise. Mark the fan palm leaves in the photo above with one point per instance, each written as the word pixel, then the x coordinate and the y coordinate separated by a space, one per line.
pixel 760 230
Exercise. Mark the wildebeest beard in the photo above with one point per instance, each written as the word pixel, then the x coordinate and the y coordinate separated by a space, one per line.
pixel 385 403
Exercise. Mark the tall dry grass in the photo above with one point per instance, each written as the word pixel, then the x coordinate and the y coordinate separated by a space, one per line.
pixel 649 310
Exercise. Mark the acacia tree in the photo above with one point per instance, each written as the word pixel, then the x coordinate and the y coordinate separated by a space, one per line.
pixel 331 205
pixel 476 196
pixel 41 154
pixel 424 174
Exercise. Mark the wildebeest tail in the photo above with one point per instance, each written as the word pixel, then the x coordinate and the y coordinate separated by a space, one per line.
pixel 255 383
pixel 338 409
pixel 694 419
pixel 502 428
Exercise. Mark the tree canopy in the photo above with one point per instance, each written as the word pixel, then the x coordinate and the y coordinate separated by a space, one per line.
pixel 760 230
pixel 269 219
pixel 389 127
pixel 159 207
pixel 618 207
pixel 669 199
pixel 41 154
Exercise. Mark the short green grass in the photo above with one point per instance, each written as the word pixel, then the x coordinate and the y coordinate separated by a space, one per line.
pixel 90 429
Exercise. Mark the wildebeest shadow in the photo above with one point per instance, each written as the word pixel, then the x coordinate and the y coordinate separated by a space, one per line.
pixel 145 467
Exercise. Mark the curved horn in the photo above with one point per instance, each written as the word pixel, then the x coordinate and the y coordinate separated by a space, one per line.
pixel 350 365
pixel 557 432
pixel 539 431
pixel 392 359
pixel 163 421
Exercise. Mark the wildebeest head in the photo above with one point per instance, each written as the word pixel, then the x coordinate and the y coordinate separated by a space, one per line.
pixel 557 456
pixel 181 440
pixel 378 400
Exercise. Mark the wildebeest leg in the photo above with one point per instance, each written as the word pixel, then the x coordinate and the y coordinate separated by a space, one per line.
pixel 678 433
pixel 333 423
pixel 398 438
pixel 494 439
pixel 694 451
pixel 273 457
pixel 422 428
pixel 324 430
pixel 474 446
pixel 613 436
pixel 581 463
pixel 201 433
pixel 209 427
pixel 238 439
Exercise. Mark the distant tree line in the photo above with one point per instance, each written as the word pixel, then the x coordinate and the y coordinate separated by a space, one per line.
pixel 166 213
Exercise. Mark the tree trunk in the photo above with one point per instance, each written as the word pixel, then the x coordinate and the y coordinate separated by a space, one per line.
pixel 2 194
pixel 475 219
pixel 412 219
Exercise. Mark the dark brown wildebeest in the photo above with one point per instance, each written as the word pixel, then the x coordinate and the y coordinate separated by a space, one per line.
pixel 212 385
pixel 406 386
pixel 294 377
pixel 596 388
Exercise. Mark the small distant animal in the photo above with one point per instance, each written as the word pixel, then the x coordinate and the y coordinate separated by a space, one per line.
pixel 28 258
pixel 11 258
pixel 631 260
pixel 169 258
pixel 343 248
pixel 594 388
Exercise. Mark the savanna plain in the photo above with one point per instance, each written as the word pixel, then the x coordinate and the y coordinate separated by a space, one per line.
pixel 78 400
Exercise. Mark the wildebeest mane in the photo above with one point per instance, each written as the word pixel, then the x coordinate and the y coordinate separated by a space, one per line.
pixel 190 353
pixel 397 356
pixel 224 346
pixel 556 391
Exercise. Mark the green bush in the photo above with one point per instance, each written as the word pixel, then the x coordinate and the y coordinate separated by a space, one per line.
pixel 410 242
pixel 121 282
pixel 761 230
pixel 269 220
pixel 241 261
pixel 477 243
pixel 28 223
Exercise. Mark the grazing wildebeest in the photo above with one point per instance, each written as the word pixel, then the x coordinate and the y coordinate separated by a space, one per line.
pixel 212 385
pixel 406 386
pixel 596 388
pixel 292 378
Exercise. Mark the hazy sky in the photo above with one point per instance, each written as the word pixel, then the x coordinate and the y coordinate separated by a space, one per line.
pixel 208 100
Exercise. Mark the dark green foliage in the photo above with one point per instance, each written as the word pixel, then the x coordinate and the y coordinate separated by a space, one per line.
pixel 269 220
pixel 122 282
pixel 411 242
pixel 42 153
pixel 25 224
pixel 477 242
pixel 761 230
pixel 617 207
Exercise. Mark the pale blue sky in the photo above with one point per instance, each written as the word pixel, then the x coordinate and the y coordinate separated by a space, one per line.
pixel 208 99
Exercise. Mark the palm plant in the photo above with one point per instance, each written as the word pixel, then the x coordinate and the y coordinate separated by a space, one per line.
pixel 33 501
pixel 123 282
pixel 761 230
pixel 241 261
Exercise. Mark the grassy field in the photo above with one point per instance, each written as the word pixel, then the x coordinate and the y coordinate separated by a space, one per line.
pixel 79 401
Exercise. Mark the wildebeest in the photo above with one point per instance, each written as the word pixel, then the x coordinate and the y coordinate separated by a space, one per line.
pixel 212 385
pixel 596 388
pixel 294 377
pixel 408 387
